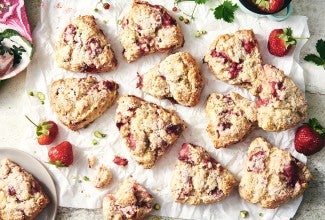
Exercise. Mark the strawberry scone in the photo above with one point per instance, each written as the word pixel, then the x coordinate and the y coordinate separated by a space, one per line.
pixel 177 78
pixel 79 101
pixel 236 59
pixel 198 178
pixel 83 47
pixel 131 201
pixel 230 118
pixel 272 176
pixel 21 196
pixel 280 103
pixel 147 129
pixel 148 28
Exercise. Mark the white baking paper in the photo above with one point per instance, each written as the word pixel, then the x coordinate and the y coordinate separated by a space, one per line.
pixel 73 191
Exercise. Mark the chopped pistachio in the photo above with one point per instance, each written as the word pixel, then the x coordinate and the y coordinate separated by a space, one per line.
pixel 119 21
pixel 204 32
pixel 86 178
pixel 42 102
pixel 243 213
pixel 181 18
pixel 99 134
pixel 260 214
pixel 94 142
pixel 79 181
pixel 198 34
pixel 31 93
pixel 96 10
pixel 40 96
pixel 156 206
pixel 104 21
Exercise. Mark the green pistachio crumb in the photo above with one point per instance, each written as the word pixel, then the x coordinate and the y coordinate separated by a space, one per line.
pixel 96 10
pixel 98 134
pixel 94 142
pixel 79 181
pixel 31 93
pixel 260 214
pixel 40 96
pixel 104 21
pixel 181 18
pixel 204 32
pixel 119 21
pixel 42 102
pixel 156 206
pixel 243 213
pixel 86 178
pixel 198 34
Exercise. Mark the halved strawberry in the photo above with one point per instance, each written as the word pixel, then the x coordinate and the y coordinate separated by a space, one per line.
pixel 310 137
pixel 280 41
pixel 61 155
pixel 270 6
pixel 46 131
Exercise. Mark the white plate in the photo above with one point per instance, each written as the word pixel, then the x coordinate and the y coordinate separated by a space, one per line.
pixel 34 167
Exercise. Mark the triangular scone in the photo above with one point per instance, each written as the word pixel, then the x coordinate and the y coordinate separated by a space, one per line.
pixel 79 101
pixel 198 178
pixel 83 47
pixel 280 103
pixel 230 118
pixel 236 59
pixel 131 201
pixel 177 78
pixel 271 176
pixel 147 129
pixel 21 196
pixel 147 29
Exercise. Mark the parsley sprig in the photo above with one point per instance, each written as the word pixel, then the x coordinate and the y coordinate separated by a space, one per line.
pixel 318 60
pixel 226 10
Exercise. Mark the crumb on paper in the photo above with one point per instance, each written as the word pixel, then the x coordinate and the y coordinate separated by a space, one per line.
pixel 103 177
pixel 92 161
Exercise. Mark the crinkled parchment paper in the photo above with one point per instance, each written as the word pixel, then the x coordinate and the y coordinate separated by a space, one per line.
pixel 43 71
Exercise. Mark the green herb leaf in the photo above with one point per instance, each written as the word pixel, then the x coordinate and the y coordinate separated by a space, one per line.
pixel 320 47
pixel 201 1
pixel 318 60
pixel 226 11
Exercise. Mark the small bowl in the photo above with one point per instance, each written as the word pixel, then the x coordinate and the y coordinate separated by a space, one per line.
pixel 249 7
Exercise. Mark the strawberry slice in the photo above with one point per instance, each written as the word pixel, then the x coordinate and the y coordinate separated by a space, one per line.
pixel 61 155
pixel 270 6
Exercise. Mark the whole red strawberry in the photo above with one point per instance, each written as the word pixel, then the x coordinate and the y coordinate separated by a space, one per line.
pixel 270 6
pixel 61 155
pixel 46 131
pixel 310 137
pixel 280 41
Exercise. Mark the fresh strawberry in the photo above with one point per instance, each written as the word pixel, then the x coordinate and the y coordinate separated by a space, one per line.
pixel 310 137
pixel 280 41
pixel 270 6
pixel 46 131
pixel 61 155
pixel 120 161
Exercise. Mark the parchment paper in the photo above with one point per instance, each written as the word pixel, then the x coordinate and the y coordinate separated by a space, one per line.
pixel 43 71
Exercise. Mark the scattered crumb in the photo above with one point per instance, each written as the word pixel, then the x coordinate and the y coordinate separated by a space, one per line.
pixel 103 177
pixel 92 162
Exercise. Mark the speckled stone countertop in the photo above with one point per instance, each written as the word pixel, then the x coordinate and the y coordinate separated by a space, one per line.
pixel 312 206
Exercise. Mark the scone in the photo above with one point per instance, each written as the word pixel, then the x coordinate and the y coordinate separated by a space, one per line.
pixel 79 101
pixel 177 78
pixel 21 196
pixel 83 47
pixel 147 129
pixel 198 178
pixel 147 29
pixel 271 176
pixel 230 118
pixel 131 201
pixel 280 104
pixel 236 59
pixel 103 177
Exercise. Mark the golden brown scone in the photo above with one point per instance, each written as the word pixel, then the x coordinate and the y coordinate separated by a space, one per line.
pixel 272 176
pixel 83 47
pixel 131 201
pixel 198 178
pixel 280 104
pixel 178 78
pixel 231 118
pixel 148 130
pixel 147 29
pixel 21 196
pixel 236 59
pixel 79 101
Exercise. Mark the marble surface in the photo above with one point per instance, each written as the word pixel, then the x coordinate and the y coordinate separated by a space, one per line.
pixel 312 207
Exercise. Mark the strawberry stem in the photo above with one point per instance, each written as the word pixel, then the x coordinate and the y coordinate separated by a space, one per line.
pixel 31 121
pixel 317 127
